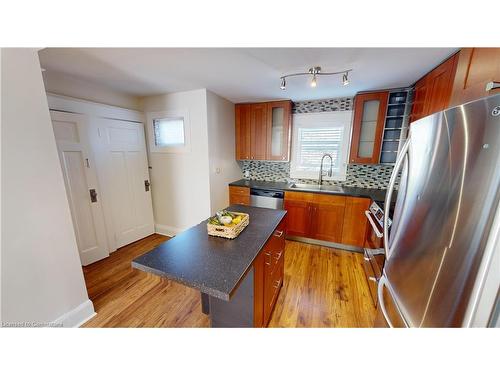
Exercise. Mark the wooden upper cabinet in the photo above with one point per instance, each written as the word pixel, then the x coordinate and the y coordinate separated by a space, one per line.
pixel 368 126
pixel 476 68
pixel 263 130
pixel 433 91
pixel 242 114
pixel 419 103
pixel 278 130
pixel 258 131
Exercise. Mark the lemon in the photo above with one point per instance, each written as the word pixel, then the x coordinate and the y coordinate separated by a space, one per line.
pixel 237 220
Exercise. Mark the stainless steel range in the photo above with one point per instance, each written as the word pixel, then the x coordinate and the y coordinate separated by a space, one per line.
pixel 374 255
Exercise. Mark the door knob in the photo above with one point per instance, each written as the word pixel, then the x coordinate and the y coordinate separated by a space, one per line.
pixel 93 195
pixel 147 184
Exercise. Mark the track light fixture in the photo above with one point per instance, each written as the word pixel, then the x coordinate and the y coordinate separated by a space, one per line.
pixel 283 83
pixel 316 71
pixel 345 79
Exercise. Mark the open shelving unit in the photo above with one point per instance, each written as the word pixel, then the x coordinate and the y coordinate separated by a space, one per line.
pixel 396 124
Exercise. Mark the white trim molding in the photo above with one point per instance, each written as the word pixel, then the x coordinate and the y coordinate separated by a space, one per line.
pixel 167 230
pixel 76 317
pixel 68 104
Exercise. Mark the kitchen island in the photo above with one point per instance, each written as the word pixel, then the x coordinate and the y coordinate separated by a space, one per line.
pixel 239 279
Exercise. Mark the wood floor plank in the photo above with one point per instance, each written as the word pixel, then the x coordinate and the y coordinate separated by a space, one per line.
pixel 322 287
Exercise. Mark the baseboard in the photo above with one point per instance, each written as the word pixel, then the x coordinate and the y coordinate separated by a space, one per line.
pixel 334 245
pixel 78 316
pixel 167 230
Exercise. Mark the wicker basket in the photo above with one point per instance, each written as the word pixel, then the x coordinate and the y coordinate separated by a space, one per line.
pixel 229 232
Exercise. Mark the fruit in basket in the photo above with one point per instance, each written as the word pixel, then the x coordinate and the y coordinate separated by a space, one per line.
pixel 226 220
pixel 237 219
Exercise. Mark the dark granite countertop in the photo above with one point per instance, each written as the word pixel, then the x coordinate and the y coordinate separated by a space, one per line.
pixel 374 194
pixel 212 265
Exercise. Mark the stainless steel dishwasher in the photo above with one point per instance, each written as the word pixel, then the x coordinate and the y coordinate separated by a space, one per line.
pixel 266 198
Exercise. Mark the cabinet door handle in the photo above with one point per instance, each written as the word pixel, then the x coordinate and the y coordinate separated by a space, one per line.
pixel 278 233
pixel 277 285
pixel 492 85
pixel 270 257
pixel 279 256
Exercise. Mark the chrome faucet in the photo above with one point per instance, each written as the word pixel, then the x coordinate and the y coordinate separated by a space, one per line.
pixel 320 180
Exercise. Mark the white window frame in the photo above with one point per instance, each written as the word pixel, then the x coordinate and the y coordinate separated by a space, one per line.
pixel 174 149
pixel 322 120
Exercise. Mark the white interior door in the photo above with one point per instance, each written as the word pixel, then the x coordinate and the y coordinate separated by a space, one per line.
pixel 123 168
pixel 80 178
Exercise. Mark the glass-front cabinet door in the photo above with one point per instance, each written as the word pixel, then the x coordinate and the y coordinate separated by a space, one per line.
pixel 278 130
pixel 368 126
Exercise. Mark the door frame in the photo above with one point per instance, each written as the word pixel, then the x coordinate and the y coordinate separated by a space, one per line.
pixel 96 110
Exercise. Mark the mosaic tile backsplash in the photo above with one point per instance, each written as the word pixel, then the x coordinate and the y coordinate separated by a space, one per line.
pixel 323 105
pixel 373 176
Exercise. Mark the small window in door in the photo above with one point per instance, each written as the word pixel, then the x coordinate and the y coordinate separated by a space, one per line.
pixel 169 132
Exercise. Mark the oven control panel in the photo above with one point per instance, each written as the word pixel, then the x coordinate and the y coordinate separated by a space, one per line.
pixel 378 214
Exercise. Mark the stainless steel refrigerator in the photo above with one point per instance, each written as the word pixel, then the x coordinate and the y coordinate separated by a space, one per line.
pixel 442 264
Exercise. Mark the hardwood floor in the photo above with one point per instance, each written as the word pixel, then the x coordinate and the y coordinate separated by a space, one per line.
pixel 126 297
pixel 322 287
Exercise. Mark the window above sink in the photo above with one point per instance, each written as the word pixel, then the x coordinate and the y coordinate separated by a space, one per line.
pixel 315 134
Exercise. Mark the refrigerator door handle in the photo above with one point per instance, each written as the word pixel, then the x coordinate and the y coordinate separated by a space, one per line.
pixel 390 189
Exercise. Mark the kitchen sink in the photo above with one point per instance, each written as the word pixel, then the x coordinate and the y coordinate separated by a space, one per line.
pixel 315 187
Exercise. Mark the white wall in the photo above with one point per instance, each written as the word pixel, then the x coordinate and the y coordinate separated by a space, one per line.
pixel 180 182
pixel 221 147
pixel 42 279
pixel 64 84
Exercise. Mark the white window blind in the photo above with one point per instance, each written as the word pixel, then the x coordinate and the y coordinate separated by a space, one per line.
pixel 169 132
pixel 315 142
pixel 317 134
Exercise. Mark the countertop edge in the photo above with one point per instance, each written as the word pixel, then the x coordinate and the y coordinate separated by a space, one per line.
pixel 286 187
pixel 201 288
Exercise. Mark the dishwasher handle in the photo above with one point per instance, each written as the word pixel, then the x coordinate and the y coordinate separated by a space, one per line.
pixel 267 193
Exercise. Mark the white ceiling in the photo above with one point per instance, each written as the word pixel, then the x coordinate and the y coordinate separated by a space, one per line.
pixel 244 74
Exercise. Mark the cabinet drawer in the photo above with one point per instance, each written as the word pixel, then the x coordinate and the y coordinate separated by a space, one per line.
pixel 299 196
pixel 335 200
pixel 239 190
pixel 239 199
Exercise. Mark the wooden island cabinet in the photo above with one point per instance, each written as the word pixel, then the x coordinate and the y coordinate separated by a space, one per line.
pixel 327 217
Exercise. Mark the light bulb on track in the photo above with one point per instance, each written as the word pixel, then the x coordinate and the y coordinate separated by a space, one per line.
pixel 313 81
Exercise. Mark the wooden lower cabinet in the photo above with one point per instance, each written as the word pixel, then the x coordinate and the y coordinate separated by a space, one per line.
pixel 355 221
pixel 239 195
pixel 268 276
pixel 332 218
pixel 298 217
pixel 327 220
